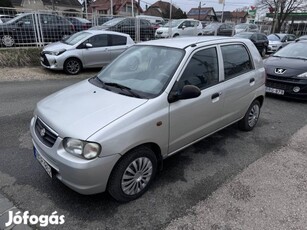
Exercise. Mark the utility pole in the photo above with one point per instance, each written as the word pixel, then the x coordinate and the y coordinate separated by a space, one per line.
pixel 223 11
pixel 111 8
pixel 132 12
pixel 199 6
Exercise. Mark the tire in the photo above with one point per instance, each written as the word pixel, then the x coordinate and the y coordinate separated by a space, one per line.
pixel 175 35
pixel 263 52
pixel 7 40
pixel 249 121
pixel 133 174
pixel 72 66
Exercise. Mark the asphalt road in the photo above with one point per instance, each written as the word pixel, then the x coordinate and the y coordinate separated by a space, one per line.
pixel 187 178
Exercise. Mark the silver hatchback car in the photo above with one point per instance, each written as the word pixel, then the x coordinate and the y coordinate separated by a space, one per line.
pixel 85 49
pixel 112 132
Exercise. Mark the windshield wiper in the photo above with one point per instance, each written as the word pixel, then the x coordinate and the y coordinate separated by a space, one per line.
pixel 122 87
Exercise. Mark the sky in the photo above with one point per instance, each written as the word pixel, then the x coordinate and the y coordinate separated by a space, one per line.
pixel 186 5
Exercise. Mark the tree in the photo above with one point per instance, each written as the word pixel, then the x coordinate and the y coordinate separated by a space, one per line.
pixel 281 10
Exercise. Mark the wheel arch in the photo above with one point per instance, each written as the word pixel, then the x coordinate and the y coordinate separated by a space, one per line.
pixel 260 99
pixel 153 146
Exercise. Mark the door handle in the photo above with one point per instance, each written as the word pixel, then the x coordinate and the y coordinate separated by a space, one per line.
pixel 215 95
pixel 252 81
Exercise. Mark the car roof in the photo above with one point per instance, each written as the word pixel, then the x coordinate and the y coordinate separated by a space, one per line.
pixel 183 42
pixel 93 31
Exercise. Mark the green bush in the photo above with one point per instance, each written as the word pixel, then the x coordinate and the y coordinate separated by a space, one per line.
pixel 22 57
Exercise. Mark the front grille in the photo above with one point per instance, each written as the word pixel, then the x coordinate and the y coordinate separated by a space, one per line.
pixel 288 79
pixel 279 85
pixel 44 59
pixel 44 133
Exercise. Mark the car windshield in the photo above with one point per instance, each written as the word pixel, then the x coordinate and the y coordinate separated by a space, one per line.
pixel 293 50
pixel 274 37
pixel 75 38
pixel 113 22
pixel 145 70
pixel 173 23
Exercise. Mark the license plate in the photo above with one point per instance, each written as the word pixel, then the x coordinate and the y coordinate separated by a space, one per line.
pixel 275 91
pixel 43 162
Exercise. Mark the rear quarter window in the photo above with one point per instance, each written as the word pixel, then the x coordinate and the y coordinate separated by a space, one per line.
pixel 236 59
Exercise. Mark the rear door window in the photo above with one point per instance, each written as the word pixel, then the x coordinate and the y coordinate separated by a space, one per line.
pixel 236 60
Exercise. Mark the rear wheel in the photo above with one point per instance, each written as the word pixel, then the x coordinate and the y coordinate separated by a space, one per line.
pixel 72 66
pixel 133 174
pixel 7 40
pixel 249 121
pixel 263 52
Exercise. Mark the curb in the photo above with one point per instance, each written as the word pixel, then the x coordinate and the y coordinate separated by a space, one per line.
pixel 5 207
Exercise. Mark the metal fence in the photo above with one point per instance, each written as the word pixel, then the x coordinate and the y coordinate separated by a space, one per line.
pixel 24 28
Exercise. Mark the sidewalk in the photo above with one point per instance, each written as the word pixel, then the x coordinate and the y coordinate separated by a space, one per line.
pixel 5 207
pixel 269 194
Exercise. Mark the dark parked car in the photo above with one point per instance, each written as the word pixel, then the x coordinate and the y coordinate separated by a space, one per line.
pixel 220 29
pixel 260 40
pixel 287 71
pixel 33 28
pixel 80 23
pixel 128 26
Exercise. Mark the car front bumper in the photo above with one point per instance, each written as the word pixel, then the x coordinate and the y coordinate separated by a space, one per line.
pixel 82 176
pixel 295 88
pixel 51 62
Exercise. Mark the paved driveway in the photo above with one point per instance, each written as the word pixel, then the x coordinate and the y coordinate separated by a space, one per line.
pixel 187 178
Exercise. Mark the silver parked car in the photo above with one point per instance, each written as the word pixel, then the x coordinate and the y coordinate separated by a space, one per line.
pixel 278 41
pixel 85 49
pixel 112 131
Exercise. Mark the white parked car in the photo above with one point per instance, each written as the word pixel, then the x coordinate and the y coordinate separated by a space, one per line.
pixel 180 27
pixel 85 49
pixel 111 132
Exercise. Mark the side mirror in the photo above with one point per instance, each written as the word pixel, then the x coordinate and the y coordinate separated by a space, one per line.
pixel 188 92
pixel 88 45
pixel 183 27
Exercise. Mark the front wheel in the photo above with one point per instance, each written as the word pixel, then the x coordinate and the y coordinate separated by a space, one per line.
pixel 72 66
pixel 249 121
pixel 7 40
pixel 133 174
pixel 263 52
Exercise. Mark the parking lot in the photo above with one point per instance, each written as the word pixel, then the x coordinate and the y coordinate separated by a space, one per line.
pixel 187 178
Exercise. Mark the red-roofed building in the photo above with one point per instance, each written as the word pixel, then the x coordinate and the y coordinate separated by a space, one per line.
pixel 120 7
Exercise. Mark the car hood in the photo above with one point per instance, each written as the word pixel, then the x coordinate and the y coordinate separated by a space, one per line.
pixel 293 67
pixel 82 109
pixel 57 46
pixel 274 42
pixel 240 30
pixel 164 29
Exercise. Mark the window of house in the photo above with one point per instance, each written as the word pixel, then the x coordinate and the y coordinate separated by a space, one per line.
pixel 202 69
pixel 236 60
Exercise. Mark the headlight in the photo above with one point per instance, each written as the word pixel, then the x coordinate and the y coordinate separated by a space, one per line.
pixel 303 75
pixel 87 150
pixel 57 53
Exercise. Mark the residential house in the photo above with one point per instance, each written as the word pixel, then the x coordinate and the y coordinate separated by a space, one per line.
pixel 162 9
pixel 120 7
pixel 239 17
pixel 56 5
pixel 202 14
pixel 235 16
